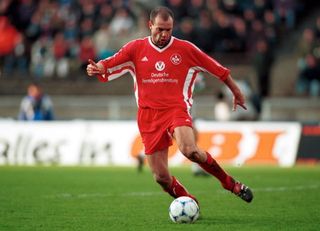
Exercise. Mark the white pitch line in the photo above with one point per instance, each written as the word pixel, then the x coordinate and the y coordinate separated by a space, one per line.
pixel 144 194
pixel 96 195
pixel 286 188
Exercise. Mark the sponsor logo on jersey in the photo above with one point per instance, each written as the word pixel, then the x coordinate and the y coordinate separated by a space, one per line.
pixel 160 65
pixel 176 59
pixel 160 75
pixel 144 59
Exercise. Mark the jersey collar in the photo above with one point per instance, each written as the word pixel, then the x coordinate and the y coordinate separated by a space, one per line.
pixel 160 49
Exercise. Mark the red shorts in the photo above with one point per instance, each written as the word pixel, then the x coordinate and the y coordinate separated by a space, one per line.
pixel 157 126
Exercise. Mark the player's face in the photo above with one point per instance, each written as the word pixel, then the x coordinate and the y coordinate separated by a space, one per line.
pixel 161 31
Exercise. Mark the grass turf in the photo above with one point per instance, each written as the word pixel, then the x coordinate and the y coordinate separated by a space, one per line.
pixel 94 198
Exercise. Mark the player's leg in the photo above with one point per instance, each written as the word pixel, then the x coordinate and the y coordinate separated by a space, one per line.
pixel 228 182
pixel 185 138
pixel 158 162
pixel 153 126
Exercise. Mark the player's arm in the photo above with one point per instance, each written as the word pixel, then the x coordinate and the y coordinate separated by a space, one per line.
pixel 207 63
pixel 118 63
pixel 213 67
pixel 238 97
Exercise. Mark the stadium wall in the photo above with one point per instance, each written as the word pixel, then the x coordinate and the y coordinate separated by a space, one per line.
pixel 105 143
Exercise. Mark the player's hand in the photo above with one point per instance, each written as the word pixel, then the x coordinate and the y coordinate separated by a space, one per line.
pixel 95 68
pixel 238 97
pixel 238 100
pixel 241 105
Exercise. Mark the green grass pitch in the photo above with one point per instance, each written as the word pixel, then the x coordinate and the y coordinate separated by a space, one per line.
pixel 114 198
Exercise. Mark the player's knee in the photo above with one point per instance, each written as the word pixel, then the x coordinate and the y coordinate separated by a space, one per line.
pixel 195 157
pixel 187 150
pixel 190 152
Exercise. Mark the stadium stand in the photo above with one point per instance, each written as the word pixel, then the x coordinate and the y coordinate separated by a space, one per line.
pixel 50 42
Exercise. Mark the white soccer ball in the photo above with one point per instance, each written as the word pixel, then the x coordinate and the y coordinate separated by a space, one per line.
pixel 184 210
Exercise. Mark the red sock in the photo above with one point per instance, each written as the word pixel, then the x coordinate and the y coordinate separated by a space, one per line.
pixel 212 167
pixel 178 190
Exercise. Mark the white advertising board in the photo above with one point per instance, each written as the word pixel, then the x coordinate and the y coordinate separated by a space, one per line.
pixel 105 143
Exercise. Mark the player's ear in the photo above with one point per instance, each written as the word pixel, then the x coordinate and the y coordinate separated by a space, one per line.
pixel 150 24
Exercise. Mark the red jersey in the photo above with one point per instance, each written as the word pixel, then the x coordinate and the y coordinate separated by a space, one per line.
pixel 163 77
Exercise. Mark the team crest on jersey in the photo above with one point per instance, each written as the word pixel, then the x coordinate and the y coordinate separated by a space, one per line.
pixel 176 59
pixel 160 65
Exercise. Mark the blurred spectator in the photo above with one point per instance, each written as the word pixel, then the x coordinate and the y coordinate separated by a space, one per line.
pixel 86 28
pixel 230 6
pixel 249 16
pixel 309 78
pixel 23 12
pixel 306 44
pixel 223 26
pixel 17 60
pixel 223 32
pixel 260 7
pixel 105 14
pixel 240 36
pixel 142 27
pixel 204 31
pixel 195 8
pixel 186 30
pixel 42 58
pixel 60 51
pixel 262 62
pixel 9 38
pixel 73 55
pixel 317 28
pixel 88 10
pixel 71 30
pixel 308 63
pixel 271 29
pixel 256 33
pixel 122 21
pixel 222 111
pixel 87 51
pixel 36 106
pixel 101 40
pixel 4 5
pixel 285 11
pixel 178 7
pixel 33 30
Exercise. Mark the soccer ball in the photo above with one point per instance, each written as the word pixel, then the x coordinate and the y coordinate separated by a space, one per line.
pixel 184 210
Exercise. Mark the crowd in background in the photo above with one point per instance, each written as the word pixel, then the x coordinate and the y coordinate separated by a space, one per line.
pixel 55 38
pixel 308 51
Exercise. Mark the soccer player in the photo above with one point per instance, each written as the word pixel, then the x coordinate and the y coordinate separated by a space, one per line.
pixel 164 69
